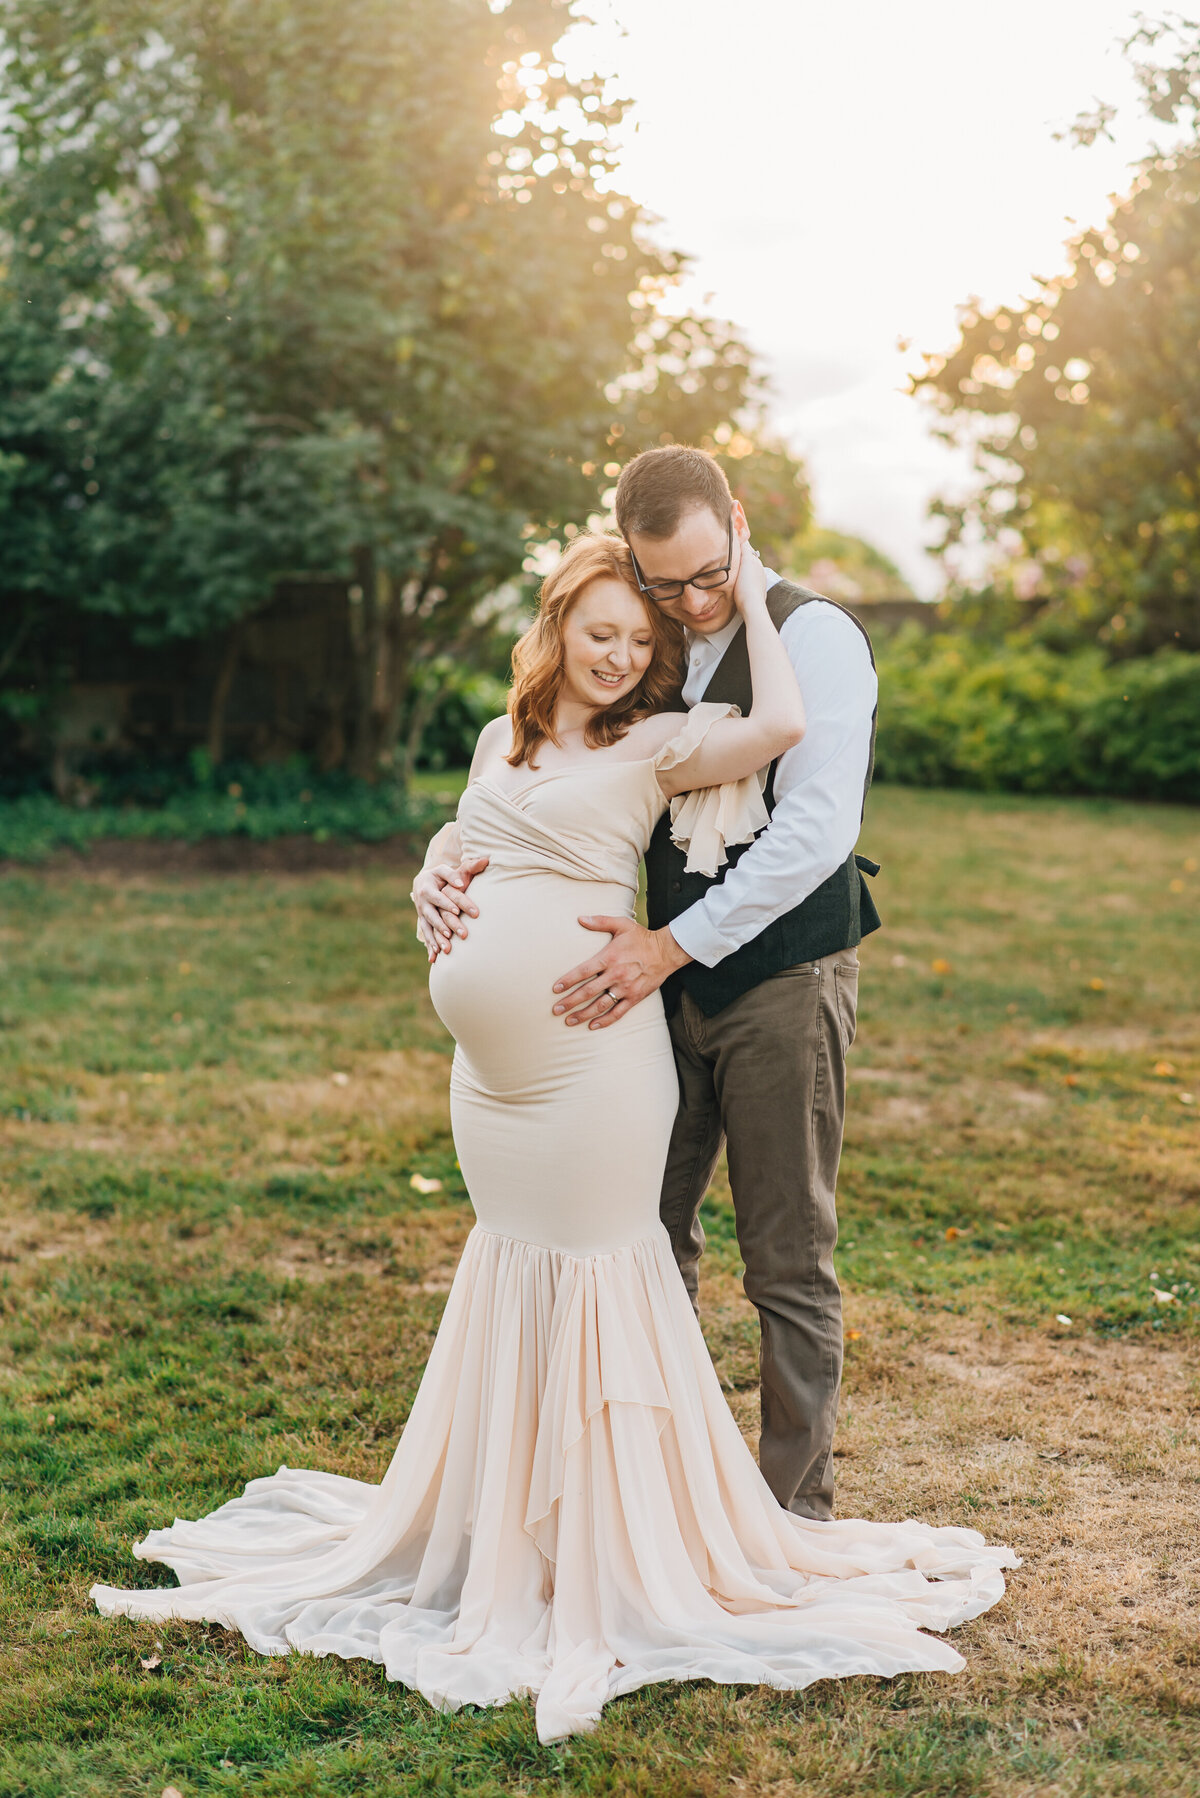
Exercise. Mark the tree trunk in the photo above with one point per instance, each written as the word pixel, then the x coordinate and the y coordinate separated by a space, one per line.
pixel 367 638
pixel 222 688
pixel 14 647
pixel 423 709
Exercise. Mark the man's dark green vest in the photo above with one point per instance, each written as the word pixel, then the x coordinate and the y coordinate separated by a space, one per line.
pixel 835 916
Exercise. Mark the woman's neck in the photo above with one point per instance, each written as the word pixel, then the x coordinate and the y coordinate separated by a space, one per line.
pixel 571 719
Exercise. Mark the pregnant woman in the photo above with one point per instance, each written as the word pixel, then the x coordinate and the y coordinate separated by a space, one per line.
pixel 571 1510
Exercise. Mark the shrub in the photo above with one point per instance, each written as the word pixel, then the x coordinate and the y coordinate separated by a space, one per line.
pixel 259 803
pixel 1017 717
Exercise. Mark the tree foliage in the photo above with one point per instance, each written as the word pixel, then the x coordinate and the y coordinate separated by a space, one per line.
pixel 1082 403
pixel 324 286
pixel 772 485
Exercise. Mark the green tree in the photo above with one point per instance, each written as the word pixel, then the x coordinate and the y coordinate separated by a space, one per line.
pixel 771 483
pixel 1082 403
pixel 327 286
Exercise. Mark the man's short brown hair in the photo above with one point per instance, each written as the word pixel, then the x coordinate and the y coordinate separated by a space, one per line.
pixel 660 485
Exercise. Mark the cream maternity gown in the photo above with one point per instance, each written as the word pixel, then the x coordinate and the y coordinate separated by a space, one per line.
pixel 571 1510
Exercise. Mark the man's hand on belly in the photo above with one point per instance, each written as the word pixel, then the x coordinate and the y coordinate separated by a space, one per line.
pixel 635 963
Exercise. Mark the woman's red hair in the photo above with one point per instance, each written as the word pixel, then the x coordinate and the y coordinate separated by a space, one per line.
pixel 537 659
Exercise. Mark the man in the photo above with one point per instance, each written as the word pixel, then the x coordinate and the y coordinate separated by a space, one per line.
pixel 758 965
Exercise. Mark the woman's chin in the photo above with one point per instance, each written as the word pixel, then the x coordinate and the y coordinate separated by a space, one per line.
pixel 599 695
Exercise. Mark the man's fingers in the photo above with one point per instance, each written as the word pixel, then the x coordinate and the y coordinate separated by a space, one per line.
pixel 614 1015
pixel 587 970
pixel 589 1012
pixel 583 995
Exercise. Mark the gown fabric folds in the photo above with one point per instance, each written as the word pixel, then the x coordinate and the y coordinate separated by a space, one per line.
pixel 571 1511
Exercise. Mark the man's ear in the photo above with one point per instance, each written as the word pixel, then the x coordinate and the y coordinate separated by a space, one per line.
pixel 740 522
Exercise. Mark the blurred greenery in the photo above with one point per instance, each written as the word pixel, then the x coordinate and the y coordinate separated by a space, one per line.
pixel 842 566
pixel 1079 402
pixel 959 712
pixel 194 803
pixel 313 287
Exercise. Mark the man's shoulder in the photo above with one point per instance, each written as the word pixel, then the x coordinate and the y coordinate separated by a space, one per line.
pixel 818 619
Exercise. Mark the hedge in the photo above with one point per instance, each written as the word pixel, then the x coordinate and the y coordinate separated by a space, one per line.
pixel 261 805
pixel 955 712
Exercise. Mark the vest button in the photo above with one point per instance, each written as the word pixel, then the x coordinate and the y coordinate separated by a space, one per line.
pixel 677 886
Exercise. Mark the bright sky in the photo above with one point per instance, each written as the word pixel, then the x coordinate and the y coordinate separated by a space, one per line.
pixel 844 175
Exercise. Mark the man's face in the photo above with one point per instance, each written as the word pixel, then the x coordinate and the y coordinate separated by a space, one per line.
pixel 700 542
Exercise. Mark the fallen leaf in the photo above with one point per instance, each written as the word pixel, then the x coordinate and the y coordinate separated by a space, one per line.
pixel 340 1079
pixel 1060 1317
pixel 939 965
pixel 1163 1298
pixel 151 1662
pixel 1052 1454
pixel 853 1335
pixel 1096 984
pixel 1191 865
pixel 1175 886
pixel 953 1234
pixel 1187 1098
pixel 171 1792
pixel 185 967
pixel 419 1183
pixel 1070 1079
pixel 1164 1069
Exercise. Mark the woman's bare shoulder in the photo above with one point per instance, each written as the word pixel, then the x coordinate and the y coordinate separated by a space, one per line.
pixel 653 733
pixel 492 744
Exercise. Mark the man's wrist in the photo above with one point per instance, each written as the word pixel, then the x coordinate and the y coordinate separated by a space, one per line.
pixel 672 954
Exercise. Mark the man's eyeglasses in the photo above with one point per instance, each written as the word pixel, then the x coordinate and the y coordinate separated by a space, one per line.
pixel 662 591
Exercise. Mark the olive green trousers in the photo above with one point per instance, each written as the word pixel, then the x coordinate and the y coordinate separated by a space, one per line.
pixel 767 1077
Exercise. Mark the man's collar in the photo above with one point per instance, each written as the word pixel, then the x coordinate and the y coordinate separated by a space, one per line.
pixel 720 640
pixel 717 641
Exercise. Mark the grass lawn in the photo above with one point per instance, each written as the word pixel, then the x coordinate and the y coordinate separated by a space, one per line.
pixel 214 1094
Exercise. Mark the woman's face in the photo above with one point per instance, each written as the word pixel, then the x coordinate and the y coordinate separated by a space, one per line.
pixel 608 644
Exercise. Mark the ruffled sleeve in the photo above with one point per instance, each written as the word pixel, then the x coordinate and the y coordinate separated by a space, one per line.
pixel 707 820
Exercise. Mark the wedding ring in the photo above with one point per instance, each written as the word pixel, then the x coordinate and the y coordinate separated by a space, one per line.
pixel 611 995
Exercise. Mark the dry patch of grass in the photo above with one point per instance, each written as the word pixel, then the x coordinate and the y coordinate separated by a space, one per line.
pixel 214 1095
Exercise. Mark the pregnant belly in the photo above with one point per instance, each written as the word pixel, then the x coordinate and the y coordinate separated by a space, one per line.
pixel 561 1131
pixel 493 991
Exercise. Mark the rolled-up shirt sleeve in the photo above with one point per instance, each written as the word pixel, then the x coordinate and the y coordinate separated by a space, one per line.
pixel 818 792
